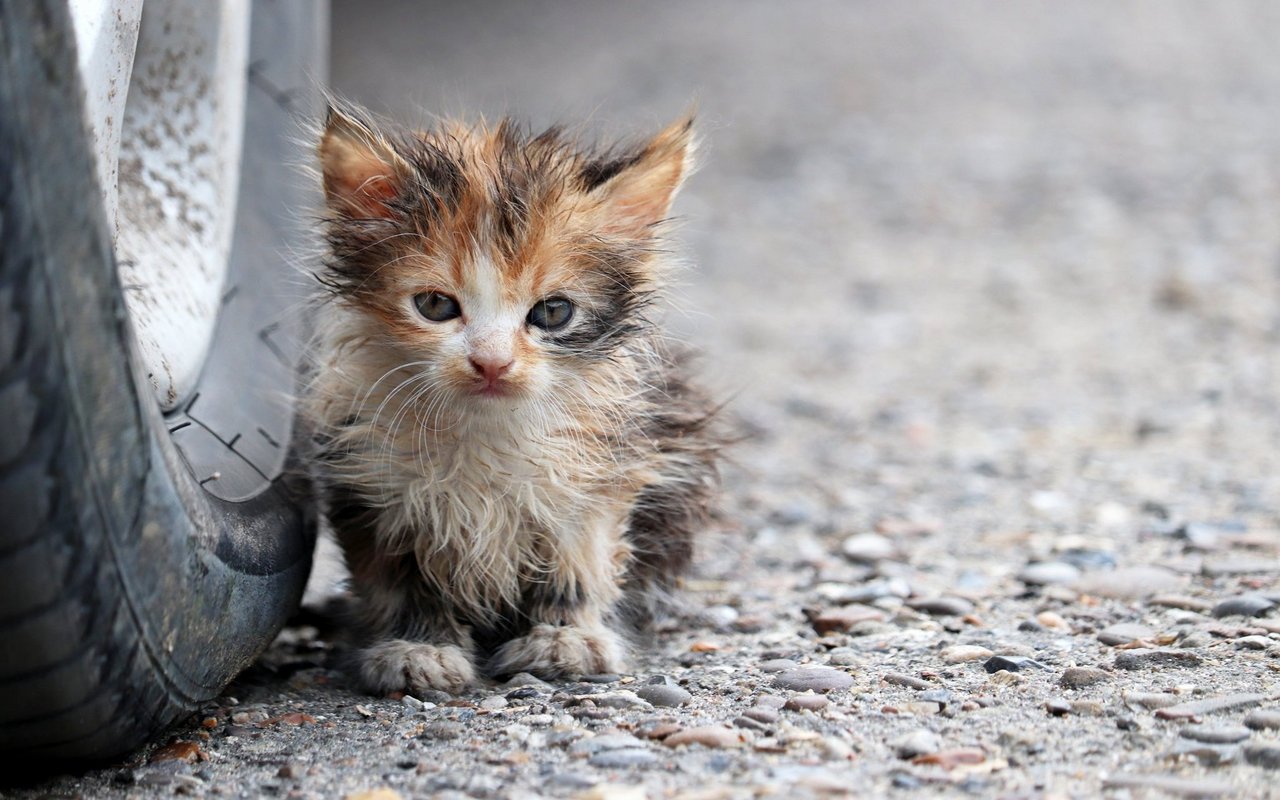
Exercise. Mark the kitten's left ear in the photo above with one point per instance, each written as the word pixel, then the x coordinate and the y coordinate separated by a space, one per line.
pixel 636 188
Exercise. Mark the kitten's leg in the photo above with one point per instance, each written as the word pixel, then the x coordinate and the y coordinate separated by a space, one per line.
pixel 572 609
pixel 413 643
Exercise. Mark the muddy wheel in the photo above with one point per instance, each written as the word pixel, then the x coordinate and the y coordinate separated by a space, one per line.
pixel 155 532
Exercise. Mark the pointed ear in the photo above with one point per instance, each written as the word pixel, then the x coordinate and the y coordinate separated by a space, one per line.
pixel 636 188
pixel 362 172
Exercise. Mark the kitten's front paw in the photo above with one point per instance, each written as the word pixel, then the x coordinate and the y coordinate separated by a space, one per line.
pixel 551 651
pixel 402 666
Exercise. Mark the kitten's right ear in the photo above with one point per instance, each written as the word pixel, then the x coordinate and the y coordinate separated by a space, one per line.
pixel 362 172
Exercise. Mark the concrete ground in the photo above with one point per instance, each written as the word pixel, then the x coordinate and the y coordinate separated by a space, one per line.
pixel 995 291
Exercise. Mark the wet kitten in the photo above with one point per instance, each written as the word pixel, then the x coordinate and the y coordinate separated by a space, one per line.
pixel 513 459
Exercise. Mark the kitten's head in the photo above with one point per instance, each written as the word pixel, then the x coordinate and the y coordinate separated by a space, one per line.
pixel 502 263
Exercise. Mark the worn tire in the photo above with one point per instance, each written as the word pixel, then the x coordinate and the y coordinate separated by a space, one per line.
pixel 130 591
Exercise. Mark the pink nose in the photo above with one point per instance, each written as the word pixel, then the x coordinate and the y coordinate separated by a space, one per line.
pixel 491 369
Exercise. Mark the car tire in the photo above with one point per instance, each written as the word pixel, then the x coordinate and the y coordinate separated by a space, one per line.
pixel 145 557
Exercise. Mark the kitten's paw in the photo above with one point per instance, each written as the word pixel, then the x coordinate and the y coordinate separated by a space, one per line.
pixel 402 666
pixel 551 651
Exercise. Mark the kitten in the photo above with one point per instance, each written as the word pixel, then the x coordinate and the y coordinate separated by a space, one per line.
pixel 514 462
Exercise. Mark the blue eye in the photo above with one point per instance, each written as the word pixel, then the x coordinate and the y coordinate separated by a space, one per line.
pixel 437 307
pixel 551 314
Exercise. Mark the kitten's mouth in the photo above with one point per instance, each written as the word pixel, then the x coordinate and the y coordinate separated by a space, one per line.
pixel 498 389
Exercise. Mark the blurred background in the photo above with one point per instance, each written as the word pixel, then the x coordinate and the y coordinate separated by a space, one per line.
pixel 1031 247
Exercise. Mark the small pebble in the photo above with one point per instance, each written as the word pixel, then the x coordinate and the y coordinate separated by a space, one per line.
pixel 939 696
pixel 806 702
pixel 817 679
pixel 664 696
pixel 777 665
pixel 605 741
pixel 623 758
pixel 868 548
pixel 1210 705
pixel 1263 754
pixel 1080 677
pixel 1249 605
pixel 1216 734
pixel 765 715
pixel 1129 582
pixel 718 616
pixel 840 620
pixel 942 606
pixel 1049 572
pixel 1147 658
pixel 443 729
pixel 708 736
pixel 1171 785
pixel 1254 642
pixel 1263 719
pixel 1124 633
pixel 494 702
pixel 916 743
pixel 960 653
pixel 1181 601
pixel 911 681
pixel 1011 664
pixel 1054 620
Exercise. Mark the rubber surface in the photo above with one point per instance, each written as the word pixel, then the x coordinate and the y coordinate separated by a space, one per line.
pixel 129 593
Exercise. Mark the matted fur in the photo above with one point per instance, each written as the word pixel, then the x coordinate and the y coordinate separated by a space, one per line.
pixel 511 520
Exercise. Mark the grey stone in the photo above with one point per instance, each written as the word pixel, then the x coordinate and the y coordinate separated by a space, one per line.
pixel 1011 664
pixel 1171 785
pixel 942 606
pixel 1080 677
pixel 1209 705
pixel 1263 754
pixel 1124 633
pixel 1263 719
pixel 605 741
pixel 1129 582
pixel 1045 573
pixel 765 715
pixel 817 679
pixel 1248 605
pixel 869 548
pixel 1150 658
pixel 777 665
pixel 806 702
pixel 664 696
pixel 916 743
pixel 939 696
pixel 443 729
pixel 1216 734
pixel 623 758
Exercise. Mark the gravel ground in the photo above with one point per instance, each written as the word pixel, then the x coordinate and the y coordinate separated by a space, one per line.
pixel 996 293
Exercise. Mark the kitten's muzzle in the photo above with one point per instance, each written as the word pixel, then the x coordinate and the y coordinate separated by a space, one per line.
pixel 491 371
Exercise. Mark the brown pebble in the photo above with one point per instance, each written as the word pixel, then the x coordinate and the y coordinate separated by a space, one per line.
pixel 760 714
pixel 898 679
pixel 950 759
pixel 189 752
pixel 839 620
pixel 1181 601
pixel 660 731
pixel 1080 677
pixel 807 702
pixel 707 735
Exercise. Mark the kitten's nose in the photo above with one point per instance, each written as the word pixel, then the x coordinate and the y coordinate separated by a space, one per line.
pixel 489 368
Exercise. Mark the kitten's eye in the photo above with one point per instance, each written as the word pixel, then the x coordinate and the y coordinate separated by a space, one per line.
pixel 551 314
pixel 437 307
